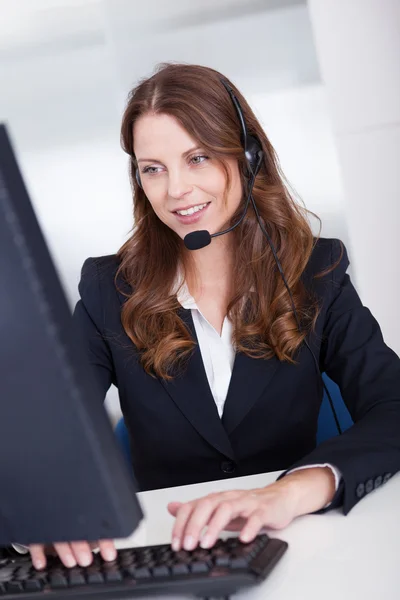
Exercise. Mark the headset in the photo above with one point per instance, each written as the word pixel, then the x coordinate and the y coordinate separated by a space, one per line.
pixel 195 240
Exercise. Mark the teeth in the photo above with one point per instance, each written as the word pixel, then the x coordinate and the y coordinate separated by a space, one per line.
pixel 191 211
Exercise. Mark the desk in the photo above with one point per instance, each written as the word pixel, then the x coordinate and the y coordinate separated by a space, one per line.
pixel 329 557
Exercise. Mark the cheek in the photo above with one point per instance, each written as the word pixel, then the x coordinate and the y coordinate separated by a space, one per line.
pixel 234 196
pixel 155 196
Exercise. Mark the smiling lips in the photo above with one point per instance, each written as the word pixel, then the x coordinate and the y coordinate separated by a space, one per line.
pixel 192 209
pixel 191 214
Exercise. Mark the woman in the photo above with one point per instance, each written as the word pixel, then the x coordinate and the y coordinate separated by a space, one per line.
pixel 214 357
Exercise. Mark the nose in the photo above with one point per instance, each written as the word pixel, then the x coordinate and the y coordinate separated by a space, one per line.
pixel 178 186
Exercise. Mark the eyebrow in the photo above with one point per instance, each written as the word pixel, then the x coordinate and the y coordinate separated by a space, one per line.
pixel 157 160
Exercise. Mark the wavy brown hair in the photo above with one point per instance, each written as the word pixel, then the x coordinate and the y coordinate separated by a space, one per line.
pixel 263 326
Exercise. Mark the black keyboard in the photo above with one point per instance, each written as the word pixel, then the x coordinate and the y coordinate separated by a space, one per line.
pixel 146 571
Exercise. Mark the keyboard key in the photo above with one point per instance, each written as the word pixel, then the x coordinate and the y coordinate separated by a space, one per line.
pixel 180 569
pixel 113 575
pixel 33 585
pixel 75 577
pixel 199 567
pixel 129 571
pixel 126 560
pixel 95 577
pixel 22 576
pixel 6 573
pixel 142 573
pixel 13 587
pixel 222 561
pixel 160 571
pixel 201 554
pixel 57 580
pixel 182 556
pixel 239 562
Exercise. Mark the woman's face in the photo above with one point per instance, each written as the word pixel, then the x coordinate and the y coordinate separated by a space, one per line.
pixel 177 175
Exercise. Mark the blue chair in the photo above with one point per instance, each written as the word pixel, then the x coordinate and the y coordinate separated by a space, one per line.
pixel 326 421
pixel 122 437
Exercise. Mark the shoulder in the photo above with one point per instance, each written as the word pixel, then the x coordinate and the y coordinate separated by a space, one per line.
pixel 329 254
pixel 100 266
pixel 98 273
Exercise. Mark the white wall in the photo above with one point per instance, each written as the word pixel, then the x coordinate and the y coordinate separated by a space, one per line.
pixel 298 125
pixel 362 80
pixel 64 113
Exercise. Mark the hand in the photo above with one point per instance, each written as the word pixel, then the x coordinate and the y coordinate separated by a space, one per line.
pixel 73 553
pixel 248 511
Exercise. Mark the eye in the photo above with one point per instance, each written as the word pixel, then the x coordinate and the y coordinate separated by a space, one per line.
pixel 151 170
pixel 197 160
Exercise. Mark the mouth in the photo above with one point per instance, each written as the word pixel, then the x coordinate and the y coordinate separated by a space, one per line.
pixel 192 214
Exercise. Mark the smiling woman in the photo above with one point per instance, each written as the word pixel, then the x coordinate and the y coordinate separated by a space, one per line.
pixel 214 373
pixel 181 131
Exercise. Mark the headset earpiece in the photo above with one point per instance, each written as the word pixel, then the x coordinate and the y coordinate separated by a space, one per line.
pixel 254 154
pixel 251 145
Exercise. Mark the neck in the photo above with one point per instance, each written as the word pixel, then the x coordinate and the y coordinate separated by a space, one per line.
pixel 212 265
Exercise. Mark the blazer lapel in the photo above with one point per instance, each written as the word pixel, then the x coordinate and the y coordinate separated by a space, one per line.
pixel 250 376
pixel 192 394
pixel 191 391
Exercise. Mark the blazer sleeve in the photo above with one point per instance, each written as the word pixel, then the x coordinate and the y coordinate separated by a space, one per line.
pixel 355 356
pixel 89 318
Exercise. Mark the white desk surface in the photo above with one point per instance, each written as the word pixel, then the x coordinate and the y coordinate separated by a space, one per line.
pixel 330 556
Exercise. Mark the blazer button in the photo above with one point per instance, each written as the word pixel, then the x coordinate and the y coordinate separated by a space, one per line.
pixel 360 491
pixel 387 477
pixel 227 466
pixel 378 481
pixel 369 486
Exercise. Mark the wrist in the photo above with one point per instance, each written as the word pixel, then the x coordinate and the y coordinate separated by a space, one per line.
pixel 311 489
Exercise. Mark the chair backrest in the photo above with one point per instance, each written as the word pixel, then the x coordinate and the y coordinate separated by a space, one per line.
pixel 122 437
pixel 326 422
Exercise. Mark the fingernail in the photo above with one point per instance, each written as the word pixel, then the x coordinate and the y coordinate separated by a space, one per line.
pixel 38 563
pixel 69 560
pixel 175 544
pixel 245 537
pixel 85 559
pixel 110 553
pixel 206 542
pixel 189 542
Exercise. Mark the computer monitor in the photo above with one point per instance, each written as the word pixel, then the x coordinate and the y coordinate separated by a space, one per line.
pixel 62 475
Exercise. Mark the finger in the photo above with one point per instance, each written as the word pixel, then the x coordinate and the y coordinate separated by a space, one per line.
pixel 65 553
pixel 236 524
pixel 198 519
pixel 254 524
pixel 107 549
pixel 83 553
pixel 38 555
pixel 224 514
pixel 182 517
pixel 173 507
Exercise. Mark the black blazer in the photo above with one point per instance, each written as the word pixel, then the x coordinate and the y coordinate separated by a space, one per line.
pixel 271 411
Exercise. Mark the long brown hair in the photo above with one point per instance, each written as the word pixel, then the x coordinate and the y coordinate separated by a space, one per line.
pixel 263 326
